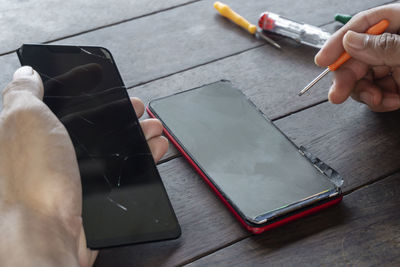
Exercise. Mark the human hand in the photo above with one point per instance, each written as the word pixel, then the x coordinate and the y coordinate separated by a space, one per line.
pixel 40 187
pixel 372 76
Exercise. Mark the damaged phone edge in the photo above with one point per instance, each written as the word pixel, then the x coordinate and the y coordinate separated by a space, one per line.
pixel 279 216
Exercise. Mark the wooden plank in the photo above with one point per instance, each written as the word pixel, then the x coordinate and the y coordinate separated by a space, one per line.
pixel 206 223
pixel 26 21
pixel 182 38
pixel 361 231
pixel 268 77
pixel 178 39
pixel 8 63
pixel 360 144
pixel 46 20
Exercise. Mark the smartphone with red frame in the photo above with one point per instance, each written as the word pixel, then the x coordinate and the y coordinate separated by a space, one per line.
pixel 262 177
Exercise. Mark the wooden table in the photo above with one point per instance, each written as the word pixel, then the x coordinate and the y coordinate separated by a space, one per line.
pixel 163 47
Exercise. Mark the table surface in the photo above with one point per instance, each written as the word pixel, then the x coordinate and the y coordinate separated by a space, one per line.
pixel 163 47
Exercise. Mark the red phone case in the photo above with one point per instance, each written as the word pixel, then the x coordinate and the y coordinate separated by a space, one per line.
pixel 252 228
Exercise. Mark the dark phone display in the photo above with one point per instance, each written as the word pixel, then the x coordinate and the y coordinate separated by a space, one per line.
pixel 258 170
pixel 124 200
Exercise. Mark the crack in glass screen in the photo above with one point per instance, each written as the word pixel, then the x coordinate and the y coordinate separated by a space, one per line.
pixel 252 163
pixel 124 200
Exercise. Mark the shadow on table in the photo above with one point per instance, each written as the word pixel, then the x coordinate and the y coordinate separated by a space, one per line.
pixel 326 220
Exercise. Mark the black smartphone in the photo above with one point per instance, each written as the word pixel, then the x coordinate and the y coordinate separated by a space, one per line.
pixel 124 199
pixel 262 177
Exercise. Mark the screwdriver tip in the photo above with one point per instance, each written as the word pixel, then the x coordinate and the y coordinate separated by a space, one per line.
pixel 311 84
pixel 261 35
pixel 277 46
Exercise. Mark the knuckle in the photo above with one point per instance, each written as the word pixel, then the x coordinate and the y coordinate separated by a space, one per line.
pixel 22 84
pixel 21 104
pixel 361 14
pixel 157 123
pixel 387 43
pixel 22 116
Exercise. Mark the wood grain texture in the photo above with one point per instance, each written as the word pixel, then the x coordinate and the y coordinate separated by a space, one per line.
pixel 40 21
pixel 268 77
pixel 360 144
pixel 178 39
pixel 206 223
pixel 361 231
pixel 175 40
pixel 45 20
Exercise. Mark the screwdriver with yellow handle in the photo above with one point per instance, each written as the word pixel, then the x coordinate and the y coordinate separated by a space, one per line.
pixel 378 28
pixel 227 12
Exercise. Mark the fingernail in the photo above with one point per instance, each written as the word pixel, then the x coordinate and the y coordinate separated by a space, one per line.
pixel 391 103
pixel 24 71
pixel 355 40
pixel 316 58
pixel 366 98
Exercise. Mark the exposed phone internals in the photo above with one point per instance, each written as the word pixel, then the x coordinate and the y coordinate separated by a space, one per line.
pixel 124 200
pixel 263 178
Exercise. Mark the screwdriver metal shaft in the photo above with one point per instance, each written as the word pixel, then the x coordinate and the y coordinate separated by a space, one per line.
pixel 261 35
pixel 311 84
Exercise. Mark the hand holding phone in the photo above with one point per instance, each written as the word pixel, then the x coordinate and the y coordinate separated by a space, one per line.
pixel 40 181
pixel 124 200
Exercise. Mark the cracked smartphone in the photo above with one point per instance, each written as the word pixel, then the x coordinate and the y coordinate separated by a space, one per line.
pixel 124 199
pixel 263 178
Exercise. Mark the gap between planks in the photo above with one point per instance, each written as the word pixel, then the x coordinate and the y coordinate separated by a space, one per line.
pixel 202 255
pixel 249 235
pixel 110 24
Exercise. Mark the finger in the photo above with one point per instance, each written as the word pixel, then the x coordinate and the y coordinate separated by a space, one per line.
pixel 376 50
pixel 151 128
pixel 158 147
pixel 345 79
pixel 93 256
pixel 387 84
pixel 375 98
pixel 86 256
pixel 370 75
pixel 368 93
pixel 25 80
pixel 333 48
pixel 138 106
pixel 381 71
pixel 390 102
pixel 396 75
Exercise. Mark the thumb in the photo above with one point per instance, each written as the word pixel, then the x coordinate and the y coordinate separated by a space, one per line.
pixel 374 50
pixel 25 80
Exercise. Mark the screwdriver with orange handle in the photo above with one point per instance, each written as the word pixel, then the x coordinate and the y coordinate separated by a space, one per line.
pixel 227 12
pixel 378 28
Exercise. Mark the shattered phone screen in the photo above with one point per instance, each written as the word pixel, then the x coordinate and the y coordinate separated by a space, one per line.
pixel 124 200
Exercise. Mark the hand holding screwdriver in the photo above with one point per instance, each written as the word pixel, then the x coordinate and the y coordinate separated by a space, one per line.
pixel 377 29
pixel 372 76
